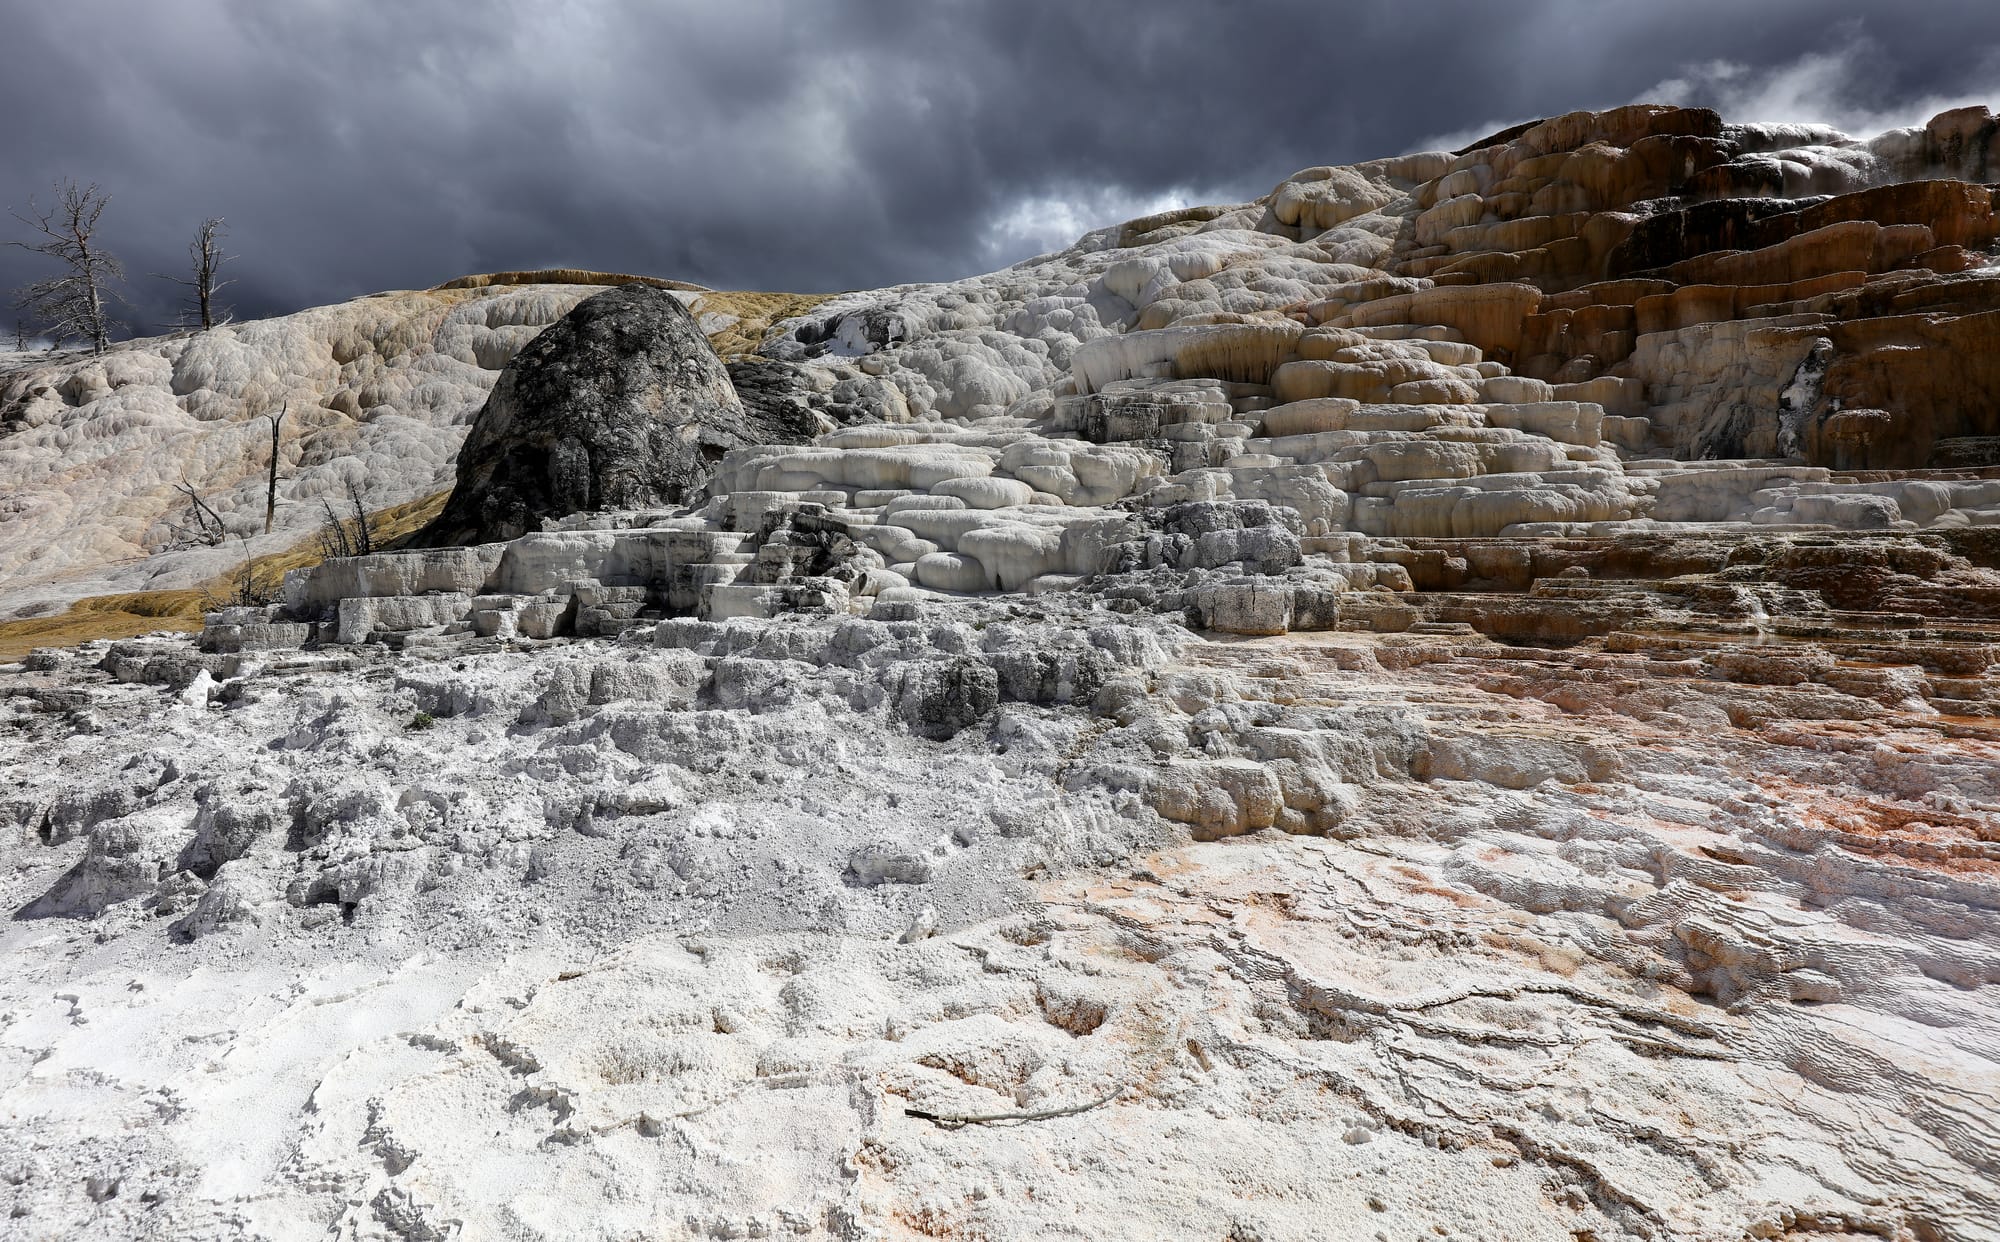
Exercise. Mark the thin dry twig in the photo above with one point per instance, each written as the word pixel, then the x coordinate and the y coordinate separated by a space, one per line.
pixel 953 1121
pixel 209 527
pixel 340 536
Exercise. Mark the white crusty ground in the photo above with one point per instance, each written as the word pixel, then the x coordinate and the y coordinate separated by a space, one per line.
pixel 679 965
pixel 1328 936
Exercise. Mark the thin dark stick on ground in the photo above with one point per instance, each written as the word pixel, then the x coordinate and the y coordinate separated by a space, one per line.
pixel 955 1120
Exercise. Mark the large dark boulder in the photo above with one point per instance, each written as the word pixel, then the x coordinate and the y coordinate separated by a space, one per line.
pixel 621 404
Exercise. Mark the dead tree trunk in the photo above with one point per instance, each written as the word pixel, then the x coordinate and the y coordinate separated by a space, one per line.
pixel 271 493
pixel 206 257
pixel 72 304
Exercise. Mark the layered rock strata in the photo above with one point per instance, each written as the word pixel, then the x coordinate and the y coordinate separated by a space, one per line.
pixel 1561 328
pixel 1457 699
pixel 1718 291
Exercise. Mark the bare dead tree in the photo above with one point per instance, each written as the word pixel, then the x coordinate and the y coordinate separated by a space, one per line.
pixel 364 539
pixel 20 336
pixel 333 537
pixel 344 536
pixel 271 495
pixel 72 304
pixel 206 257
pixel 250 590
pixel 204 525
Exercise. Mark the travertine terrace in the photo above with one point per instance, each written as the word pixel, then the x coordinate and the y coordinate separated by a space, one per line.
pixel 1455 699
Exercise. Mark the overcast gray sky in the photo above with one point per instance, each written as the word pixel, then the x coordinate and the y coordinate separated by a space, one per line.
pixel 358 145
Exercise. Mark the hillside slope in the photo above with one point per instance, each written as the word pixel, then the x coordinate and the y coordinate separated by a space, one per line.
pixel 378 391
pixel 1459 699
pixel 1656 261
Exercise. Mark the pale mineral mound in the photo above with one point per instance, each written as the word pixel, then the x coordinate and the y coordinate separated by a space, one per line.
pixel 378 392
pixel 1456 700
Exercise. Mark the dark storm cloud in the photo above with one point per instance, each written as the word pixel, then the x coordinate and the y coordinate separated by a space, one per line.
pixel 356 145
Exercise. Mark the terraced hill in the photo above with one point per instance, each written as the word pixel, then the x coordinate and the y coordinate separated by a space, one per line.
pixel 1457 699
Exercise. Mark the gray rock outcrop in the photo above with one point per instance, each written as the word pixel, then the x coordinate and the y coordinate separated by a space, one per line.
pixel 770 388
pixel 620 404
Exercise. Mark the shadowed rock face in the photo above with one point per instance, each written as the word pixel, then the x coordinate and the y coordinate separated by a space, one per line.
pixel 620 404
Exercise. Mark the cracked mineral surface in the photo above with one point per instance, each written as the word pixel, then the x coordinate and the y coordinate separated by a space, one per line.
pixel 1455 700
pixel 1371 933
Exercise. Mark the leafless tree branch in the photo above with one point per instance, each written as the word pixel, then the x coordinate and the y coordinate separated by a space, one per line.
pixel 344 536
pixel 207 527
pixel 364 538
pixel 73 304
pixel 247 590
pixel 206 257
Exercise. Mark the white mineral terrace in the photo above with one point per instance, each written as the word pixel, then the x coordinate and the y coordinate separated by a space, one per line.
pixel 1347 716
